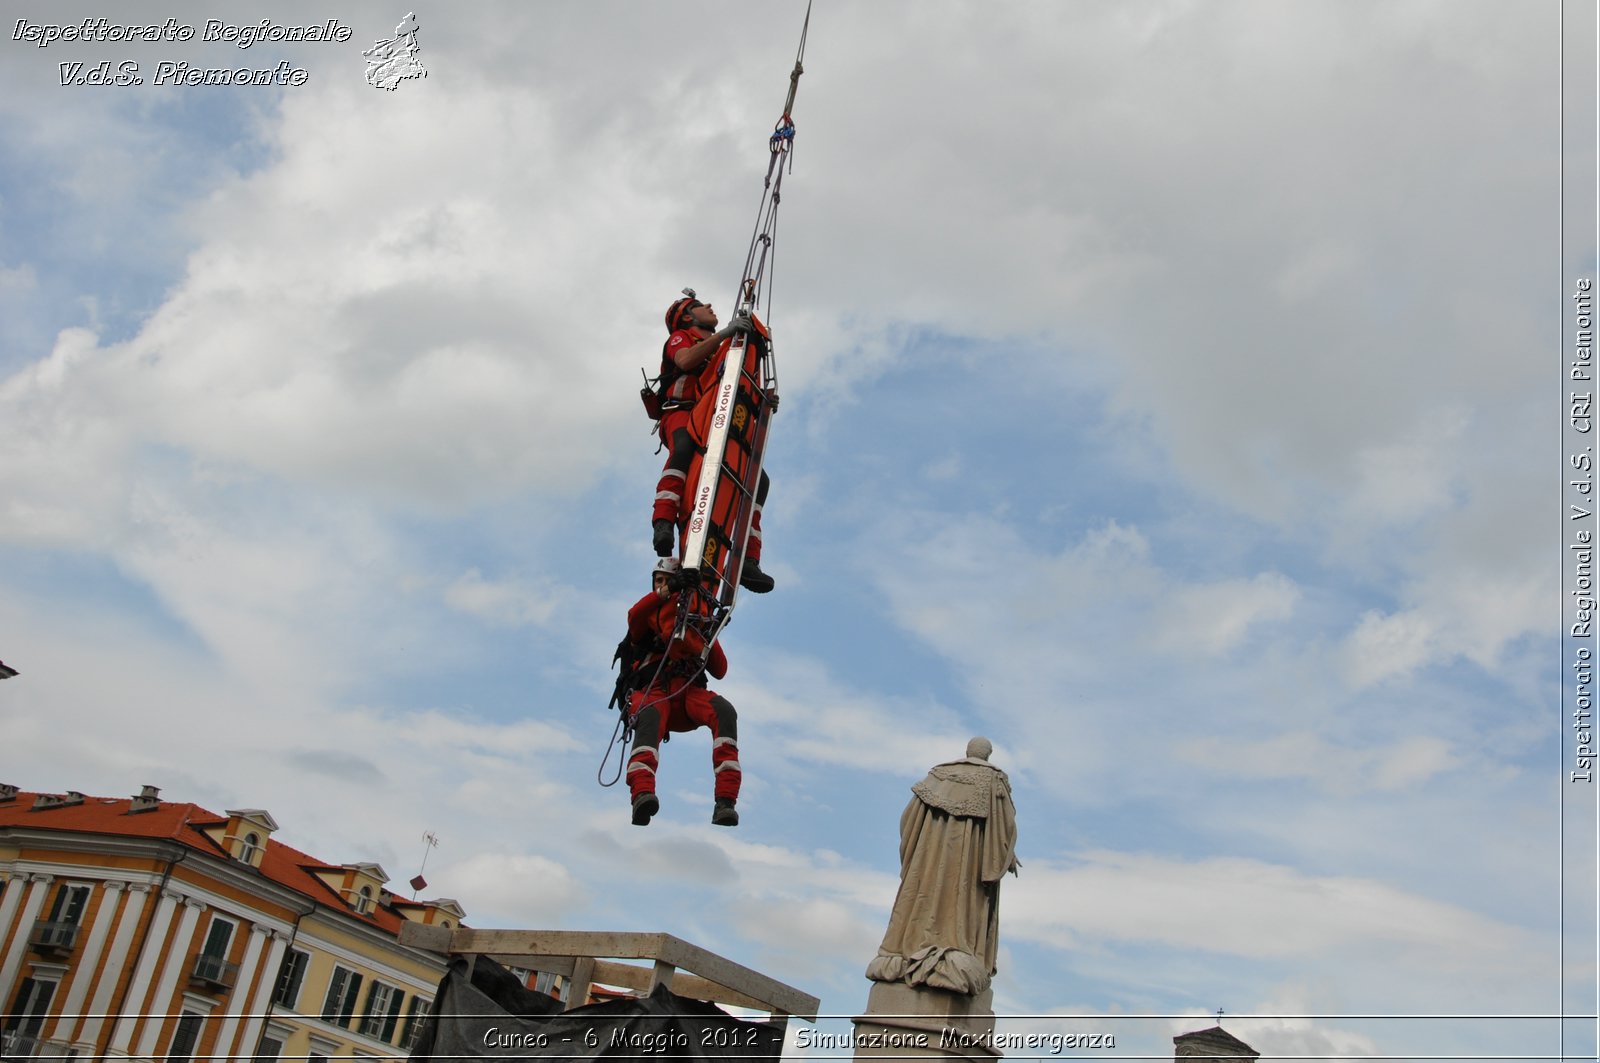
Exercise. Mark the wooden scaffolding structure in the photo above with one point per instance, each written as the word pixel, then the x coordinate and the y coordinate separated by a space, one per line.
pixel 586 958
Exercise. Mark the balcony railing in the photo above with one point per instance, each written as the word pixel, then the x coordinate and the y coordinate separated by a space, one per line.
pixel 51 937
pixel 215 971
pixel 18 1047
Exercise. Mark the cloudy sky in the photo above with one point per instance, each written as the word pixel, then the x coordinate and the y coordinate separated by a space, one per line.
pixel 1163 398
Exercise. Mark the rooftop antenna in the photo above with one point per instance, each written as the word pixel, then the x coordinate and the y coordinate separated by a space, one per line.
pixel 420 883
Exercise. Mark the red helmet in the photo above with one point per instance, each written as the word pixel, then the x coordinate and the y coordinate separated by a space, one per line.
pixel 676 311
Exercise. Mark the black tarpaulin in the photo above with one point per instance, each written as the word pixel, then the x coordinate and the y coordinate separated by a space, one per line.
pixel 490 1015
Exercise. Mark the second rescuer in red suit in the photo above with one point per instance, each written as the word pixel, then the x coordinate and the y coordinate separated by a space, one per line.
pixel 677 699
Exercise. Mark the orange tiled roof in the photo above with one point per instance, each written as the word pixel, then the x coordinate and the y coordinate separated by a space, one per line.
pixel 185 823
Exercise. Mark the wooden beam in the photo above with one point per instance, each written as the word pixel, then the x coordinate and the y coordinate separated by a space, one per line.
pixel 526 948
pixel 622 946
pixel 661 974
pixel 582 978
pixel 425 936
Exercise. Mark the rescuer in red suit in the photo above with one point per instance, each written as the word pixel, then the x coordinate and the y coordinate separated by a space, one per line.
pixel 674 697
pixel 690 362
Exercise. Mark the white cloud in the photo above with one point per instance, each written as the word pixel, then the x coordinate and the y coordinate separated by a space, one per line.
pixel 532 891
pixel 1256 910
pixel 413 346
pixel 1304 1036
pixel 806 715
pixel 1382 647
pixel 1075 654
pixel 14 279
pixel 1332 768
pixel 831 933
pixel 1411 476
pixel 1214 618
pixel 500 603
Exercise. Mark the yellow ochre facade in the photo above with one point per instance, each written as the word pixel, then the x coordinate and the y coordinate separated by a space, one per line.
pixel 142 929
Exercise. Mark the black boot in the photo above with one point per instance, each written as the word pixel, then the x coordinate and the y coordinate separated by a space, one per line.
pixel 725 815
pixel 752 579
pixel 645 806
pixel 661 537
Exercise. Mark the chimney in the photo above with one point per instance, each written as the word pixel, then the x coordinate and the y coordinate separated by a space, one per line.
pixel 148 798
pixel 46 801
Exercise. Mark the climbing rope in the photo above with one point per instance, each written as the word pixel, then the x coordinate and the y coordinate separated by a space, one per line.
pixel 780 147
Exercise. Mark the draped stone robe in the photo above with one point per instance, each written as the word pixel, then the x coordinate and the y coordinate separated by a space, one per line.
pixel 958 836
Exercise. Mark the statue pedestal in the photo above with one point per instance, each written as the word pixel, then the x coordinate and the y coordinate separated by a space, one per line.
pixel 922 1023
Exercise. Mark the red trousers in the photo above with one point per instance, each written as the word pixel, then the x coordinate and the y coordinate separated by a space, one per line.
pixel 654 714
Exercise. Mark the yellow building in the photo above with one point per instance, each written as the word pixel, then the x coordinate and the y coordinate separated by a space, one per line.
pixel 144 929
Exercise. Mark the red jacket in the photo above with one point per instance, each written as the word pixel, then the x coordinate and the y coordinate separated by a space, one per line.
pixel 650 624
pixel 681 388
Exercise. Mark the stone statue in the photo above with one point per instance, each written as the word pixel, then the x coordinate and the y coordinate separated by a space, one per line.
pixel 958 836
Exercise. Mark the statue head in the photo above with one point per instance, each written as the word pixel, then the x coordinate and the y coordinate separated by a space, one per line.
pixel 979 748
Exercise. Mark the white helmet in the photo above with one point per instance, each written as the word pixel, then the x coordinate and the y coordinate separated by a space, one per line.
pixel 670 565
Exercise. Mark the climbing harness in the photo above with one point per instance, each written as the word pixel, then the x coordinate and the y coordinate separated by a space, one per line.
pixel 628 683
pixel 647 666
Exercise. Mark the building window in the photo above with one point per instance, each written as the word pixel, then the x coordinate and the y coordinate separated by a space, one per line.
pixel 290 975
pixel 416 1019
pixel 545 982
pixel 271 1044
pixel 364 900
pixel 20 1036
pixel 59 929
pixel 252 844
pixel 340 1003
pixel 320 1050
pixel 212 964
pixel 218 938
pixel 70 902
pixel 185 1037
pixel 383 1012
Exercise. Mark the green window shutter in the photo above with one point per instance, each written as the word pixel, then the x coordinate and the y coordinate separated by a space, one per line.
pixel 335 998
pixel 416 1016
pixel 218 937
pixel 290 975
pixel 184 1038
pixel 393 1018
pixel 352 991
